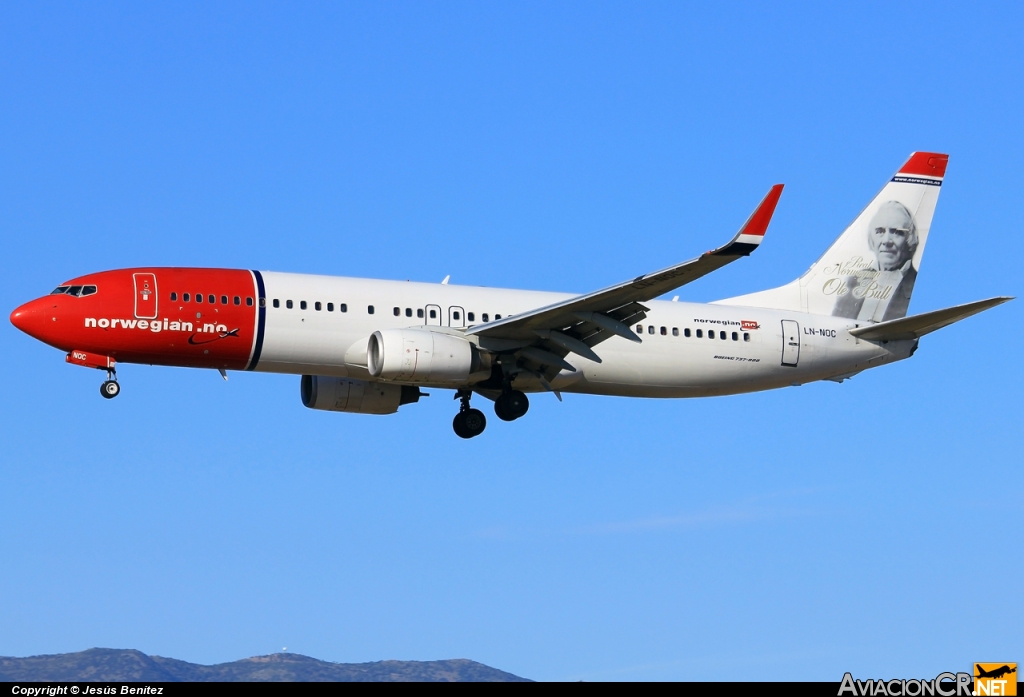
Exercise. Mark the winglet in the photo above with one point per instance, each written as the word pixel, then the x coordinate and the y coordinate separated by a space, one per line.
pixel 752 232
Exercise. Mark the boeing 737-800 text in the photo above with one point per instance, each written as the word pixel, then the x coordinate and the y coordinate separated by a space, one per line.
pixel 368 346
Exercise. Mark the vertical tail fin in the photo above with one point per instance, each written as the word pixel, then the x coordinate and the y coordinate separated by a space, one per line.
pixel 869 272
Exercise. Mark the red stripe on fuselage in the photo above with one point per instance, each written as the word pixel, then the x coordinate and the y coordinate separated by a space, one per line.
pixel 115 320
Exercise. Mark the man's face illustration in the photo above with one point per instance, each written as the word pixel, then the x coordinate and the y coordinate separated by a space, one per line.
pixel 891 235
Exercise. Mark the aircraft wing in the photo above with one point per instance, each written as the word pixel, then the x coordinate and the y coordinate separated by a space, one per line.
pixel 578 323
pixel 916 326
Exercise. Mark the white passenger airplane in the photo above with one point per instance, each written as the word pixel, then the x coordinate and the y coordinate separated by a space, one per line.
pixel 368 346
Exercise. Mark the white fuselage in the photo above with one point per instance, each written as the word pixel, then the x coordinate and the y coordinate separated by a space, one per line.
pixel 683 353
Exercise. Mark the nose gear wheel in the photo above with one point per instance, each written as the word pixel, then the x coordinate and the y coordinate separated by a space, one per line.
pixel 110 389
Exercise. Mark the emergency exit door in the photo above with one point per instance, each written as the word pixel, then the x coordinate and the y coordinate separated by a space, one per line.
pixel 456 317
pixel 790 343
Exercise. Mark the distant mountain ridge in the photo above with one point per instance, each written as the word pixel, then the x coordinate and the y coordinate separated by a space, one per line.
pixel 129 665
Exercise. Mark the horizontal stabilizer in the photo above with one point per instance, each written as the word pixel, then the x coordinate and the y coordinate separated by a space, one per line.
pixel 918 325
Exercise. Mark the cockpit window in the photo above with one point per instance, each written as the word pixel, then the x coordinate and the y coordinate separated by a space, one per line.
pixel 75 291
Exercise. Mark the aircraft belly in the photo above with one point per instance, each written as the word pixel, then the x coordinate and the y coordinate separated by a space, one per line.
pixel 691 371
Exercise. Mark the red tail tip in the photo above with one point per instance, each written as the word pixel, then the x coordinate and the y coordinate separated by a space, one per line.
pixel 930 164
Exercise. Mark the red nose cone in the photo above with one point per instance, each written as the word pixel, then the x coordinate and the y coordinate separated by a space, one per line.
pixel 31 318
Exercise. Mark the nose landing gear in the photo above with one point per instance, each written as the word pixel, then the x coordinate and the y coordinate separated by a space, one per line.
pixel 110 389
pixel 469 422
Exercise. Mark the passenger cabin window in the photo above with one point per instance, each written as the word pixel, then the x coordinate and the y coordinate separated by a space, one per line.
pixel 223 300
pixel 700 333
pixel 302 305
pixel 397 312
pixel 484 317
pixel 277 303
pixel 650 329
pixel 288 304
pixel 735 336
pixel 317 306
pixel 419 312
pixel 369 309
pixel 408 312
pixel 174 296
pixel 686 332
pixel 263 302
pixel 343 307
pixel 330 307
pixel 238 300
pixel 721 335
pixel 639 329
pixel 185 297
pixel 199 297
pixel 675 331
pixel 456 315
pixel 471 316
pixel 497 317
pixel 664 331
pixel 433 314
pixel 212 299
pixel 746 336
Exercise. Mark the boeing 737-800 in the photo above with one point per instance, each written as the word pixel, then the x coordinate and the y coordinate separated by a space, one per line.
pixel 369 346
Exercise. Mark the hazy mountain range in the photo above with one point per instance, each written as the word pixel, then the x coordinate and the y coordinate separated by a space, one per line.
pixel 128 665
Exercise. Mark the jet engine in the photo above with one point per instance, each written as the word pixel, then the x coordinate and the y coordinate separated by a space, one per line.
pixel 355 396
pixel 420 355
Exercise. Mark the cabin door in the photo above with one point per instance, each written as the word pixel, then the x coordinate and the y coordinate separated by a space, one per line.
pixel 145 295
pixel 790 343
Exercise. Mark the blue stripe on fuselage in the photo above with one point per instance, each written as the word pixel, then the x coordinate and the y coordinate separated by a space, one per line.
pixel 261 300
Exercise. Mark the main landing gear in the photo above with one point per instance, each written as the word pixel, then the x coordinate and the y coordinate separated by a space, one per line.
pixel 469 422
pixel 110 389
pixel 511 405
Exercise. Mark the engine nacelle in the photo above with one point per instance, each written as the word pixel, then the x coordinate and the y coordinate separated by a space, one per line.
pixel 355 396
pixel 420 355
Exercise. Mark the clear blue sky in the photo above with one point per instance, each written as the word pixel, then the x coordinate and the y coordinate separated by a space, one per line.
pixel 873 526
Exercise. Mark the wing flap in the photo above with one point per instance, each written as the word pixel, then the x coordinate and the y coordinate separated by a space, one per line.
pixel 916 326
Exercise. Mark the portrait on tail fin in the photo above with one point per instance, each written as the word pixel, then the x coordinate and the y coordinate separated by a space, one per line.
pixel 880 290
pixel 868 273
